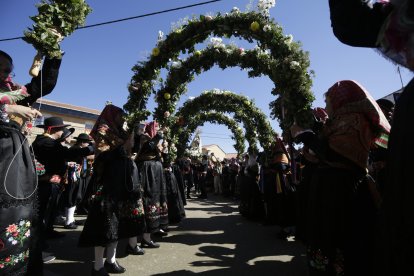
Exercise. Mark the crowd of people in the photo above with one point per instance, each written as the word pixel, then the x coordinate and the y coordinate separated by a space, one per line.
pixel 327 194
pixel 345 194
pixel 118 177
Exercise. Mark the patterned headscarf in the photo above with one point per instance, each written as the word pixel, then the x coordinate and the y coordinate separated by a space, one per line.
pixel 349 96
pixel 108 131
pixel 320 114
pixel 356 122
pixel 151 129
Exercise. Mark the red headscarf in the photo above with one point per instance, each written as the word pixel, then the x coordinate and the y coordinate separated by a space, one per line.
pixel 320 114
pixel 356 122
pixel 107 131
pixel 151 129
pixel 110 118
pixel 349 96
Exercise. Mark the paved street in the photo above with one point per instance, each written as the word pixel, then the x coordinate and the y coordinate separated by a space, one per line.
pixel 213 240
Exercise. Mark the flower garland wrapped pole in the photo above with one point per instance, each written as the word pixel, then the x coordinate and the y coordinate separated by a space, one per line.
pixel 56 20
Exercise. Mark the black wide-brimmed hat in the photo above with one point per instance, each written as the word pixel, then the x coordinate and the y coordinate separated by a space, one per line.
pixel 67 132
pixel 84 137
pixel 53 122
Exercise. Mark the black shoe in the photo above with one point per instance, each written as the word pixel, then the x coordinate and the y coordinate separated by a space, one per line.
pixel 114 268
pixel 71 225
pixel 100 272
pixel 202 196
pixel 149 244
pixel 189 197
pixel 135 251
pixel 79 222
pixel 53 234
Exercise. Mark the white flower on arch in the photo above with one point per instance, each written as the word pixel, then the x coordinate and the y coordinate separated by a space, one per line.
pixel 264 6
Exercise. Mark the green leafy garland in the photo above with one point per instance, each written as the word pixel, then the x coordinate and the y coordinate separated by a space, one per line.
pixel 56 19
pixel 257 61
pixel 254 120
pixel 213 117
pixel 277 56
pixel 183 132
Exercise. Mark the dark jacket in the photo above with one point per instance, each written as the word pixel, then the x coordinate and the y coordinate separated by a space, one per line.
pixel 118 174
pixel 53 155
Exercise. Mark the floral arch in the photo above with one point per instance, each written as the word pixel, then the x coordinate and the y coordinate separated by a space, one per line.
pixel 286 64
pixel 223 101
pixel 213 117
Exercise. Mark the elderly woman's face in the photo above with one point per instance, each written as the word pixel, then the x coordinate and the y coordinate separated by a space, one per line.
pixel 5 68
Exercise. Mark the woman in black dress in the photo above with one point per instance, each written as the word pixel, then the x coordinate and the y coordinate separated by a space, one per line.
pixel 341 211
pixel 388 26
pixel 116 208
pixel 175 191
pixel 152 176
pixel 18 180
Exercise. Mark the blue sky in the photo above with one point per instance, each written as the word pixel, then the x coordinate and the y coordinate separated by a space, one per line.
pixel 97 62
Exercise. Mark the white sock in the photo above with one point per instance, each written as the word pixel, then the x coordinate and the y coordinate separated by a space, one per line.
pixel 111 252
pixel 146 237
pixel 99 259
pixel 132 242
pixel 70 215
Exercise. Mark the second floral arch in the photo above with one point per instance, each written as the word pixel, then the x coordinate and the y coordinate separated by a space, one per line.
pixel 199 110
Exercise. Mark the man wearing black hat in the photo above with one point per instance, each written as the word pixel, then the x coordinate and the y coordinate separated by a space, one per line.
pixel 66 136
pixel 52 154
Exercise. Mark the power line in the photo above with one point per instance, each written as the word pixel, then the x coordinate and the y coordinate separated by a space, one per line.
pixel 133 17
pixel 399 73
pixel 150 14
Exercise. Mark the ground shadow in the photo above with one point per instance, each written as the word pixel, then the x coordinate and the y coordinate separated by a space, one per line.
pixel 226 243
